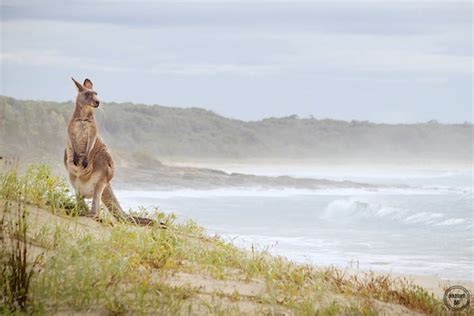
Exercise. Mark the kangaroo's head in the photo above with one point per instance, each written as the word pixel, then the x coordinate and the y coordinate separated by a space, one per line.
pixel 86 96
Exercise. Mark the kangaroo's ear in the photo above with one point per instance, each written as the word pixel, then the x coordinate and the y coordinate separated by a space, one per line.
pixel 78 85
pixel 88 84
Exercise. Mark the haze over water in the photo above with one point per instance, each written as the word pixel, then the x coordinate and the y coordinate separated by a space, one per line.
pixel 426 228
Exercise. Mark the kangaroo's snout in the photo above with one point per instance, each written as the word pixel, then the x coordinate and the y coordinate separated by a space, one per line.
pixel 97 103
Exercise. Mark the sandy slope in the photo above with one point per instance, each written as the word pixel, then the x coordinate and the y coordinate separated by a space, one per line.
pixel 248 291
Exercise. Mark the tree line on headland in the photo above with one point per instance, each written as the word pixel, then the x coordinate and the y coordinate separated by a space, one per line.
pixel 38 128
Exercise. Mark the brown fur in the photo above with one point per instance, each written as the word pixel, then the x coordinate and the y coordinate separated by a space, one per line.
pixel 87 159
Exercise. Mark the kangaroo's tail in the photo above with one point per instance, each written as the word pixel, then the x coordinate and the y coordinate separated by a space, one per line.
pixel 113 206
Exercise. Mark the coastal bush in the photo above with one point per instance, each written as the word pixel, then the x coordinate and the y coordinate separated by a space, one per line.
pixel 131 129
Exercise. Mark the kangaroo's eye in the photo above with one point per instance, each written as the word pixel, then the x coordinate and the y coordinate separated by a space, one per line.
pixel 88 95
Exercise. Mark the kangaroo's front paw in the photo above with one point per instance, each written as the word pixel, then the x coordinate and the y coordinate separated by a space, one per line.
pixel 85 162
pixel 75 159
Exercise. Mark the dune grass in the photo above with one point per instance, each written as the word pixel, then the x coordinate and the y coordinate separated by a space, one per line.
pixel 16 269
pixel 121 268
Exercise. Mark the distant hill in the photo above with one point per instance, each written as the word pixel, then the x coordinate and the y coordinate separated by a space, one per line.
pixel 38 128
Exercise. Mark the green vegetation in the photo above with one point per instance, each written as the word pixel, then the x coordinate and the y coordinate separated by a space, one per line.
pixel 76 264
pixel 15 269
pixel 147 132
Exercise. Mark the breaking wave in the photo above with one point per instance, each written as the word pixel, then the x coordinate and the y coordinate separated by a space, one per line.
pixel 348 210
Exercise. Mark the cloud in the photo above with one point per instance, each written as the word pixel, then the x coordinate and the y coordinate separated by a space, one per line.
pixel 394 17
pixel 56 59
pixel 377 53
pixel 213 69
pixel 236 38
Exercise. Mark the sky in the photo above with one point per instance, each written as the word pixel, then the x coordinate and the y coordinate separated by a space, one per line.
pixel 382 61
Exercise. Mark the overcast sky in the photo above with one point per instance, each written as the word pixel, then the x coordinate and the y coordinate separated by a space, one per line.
pixel 398 61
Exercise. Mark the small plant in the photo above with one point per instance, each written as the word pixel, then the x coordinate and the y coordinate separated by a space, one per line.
pixel 38 186
pixel 16 271
pixel 44 187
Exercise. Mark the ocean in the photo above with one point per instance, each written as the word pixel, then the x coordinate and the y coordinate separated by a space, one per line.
pixel 426 228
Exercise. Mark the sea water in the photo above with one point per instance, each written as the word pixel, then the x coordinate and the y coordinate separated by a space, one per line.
pixel 425 228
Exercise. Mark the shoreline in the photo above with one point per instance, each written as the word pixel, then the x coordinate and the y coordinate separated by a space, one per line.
pixel 402 166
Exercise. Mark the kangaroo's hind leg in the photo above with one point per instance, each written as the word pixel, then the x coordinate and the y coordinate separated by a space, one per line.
pixel 97 196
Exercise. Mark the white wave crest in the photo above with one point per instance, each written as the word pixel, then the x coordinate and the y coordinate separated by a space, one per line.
pixel 348 210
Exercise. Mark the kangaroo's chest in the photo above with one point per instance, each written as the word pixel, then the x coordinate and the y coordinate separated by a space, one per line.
pixel 81 134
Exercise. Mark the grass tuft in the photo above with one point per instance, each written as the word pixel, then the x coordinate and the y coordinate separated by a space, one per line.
pixel 17 267
pixel 386 289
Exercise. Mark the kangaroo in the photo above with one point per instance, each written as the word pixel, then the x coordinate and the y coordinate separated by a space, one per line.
pixel 88 160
